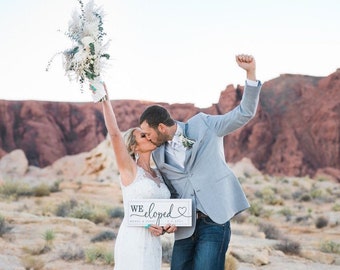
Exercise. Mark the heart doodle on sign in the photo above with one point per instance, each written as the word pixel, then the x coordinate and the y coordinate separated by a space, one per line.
pixel 182 210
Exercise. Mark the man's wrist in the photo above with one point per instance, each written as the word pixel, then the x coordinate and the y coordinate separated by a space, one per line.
pixel 251 75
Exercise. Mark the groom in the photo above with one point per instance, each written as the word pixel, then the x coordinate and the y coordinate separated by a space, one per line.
pixel 191 158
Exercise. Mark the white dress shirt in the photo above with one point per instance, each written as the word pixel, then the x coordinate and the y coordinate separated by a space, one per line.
pixel 175 150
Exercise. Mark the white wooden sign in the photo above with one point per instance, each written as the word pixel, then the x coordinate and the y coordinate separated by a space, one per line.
pixel 160 211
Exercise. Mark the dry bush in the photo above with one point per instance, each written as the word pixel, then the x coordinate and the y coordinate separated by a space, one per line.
pixel 41 190
pixel 15 189
pixel 336 207
pixel 270 231
pixel 104 236
pixel 117 212
pixel 230 263
pixel 34 249
pixel 330 247
pixel 32 263
pixel 64 209
pixel 288 246
pixel 4 228
pixel 256 208
pixel 99 253
pixel 72 253
pixel 88 211
pixel 321 222
pixel 240 218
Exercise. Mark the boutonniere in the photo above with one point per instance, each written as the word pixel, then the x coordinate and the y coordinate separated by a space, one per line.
pixel 187 143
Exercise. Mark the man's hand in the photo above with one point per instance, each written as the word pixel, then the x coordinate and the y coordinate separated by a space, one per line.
pixel 247 62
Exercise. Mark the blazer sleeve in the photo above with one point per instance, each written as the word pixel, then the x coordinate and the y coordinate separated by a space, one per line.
pixel 239 116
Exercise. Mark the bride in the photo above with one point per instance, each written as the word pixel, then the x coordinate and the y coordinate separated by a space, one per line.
pixel 137 248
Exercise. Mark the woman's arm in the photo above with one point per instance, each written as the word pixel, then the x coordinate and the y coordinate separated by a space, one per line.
pixel 126 166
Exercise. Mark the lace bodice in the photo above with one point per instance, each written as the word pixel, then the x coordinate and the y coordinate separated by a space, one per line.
pixel 136 248
pixel 143 187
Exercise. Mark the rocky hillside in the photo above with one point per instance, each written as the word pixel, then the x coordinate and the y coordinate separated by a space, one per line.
pixel 296 131
pixel 66 216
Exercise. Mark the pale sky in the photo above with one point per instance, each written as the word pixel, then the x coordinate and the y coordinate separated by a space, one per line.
pixel 175 51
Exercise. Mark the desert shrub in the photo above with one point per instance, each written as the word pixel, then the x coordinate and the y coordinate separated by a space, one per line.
pixel 336 207
pixel 167 251
pixel 240 218
pixel 253 220
pixel 267 213
pixel 230 263
pixel 15 189
pixel 287 212
pixel 321 222
pixel 48 236
pixel 295 183
pixel 41 190
pixel 100 215
pixel 288 246
pixel 316 193
pixel 99 253
pixel 45 190
pixel 32 263
pixel 269 196
pixel 56 186
pixel 104 236
pixel 72 253
pixel 286 193
pixel 270 231
pixel 242 179
pixel 117 212
pixel 81 211
pixel 64 209
pixel 258 194
pixel 4 228
pixel 305 197
pixel 34 249
pixel 330 247
pixel 297 194
pixel 267 178
pixel 256 208
pixel 302 219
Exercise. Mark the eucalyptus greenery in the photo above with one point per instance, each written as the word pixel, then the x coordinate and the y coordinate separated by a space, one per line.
pixel 87 55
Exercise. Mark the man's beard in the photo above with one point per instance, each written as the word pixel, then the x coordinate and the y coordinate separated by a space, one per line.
pixel 161 139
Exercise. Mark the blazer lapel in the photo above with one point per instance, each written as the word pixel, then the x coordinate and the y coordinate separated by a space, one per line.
pixel 159 156
pixel 190 154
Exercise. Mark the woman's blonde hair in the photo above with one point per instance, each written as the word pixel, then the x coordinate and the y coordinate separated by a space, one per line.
pixel 130 142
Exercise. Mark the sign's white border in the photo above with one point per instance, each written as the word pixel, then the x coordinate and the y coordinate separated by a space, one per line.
pixel 160 211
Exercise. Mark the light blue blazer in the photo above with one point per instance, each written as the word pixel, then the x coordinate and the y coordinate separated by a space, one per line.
pixel 206 175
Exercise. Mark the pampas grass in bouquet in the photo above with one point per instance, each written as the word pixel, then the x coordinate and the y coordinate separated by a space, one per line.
pixel 85 60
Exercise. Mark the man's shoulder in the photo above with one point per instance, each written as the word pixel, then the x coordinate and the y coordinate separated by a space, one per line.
pixel 198 116
pixel 197 119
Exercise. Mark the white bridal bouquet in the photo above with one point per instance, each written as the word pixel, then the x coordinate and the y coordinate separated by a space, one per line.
pixel 87 57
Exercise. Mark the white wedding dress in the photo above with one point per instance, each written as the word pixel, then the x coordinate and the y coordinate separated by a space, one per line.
pixel 136 248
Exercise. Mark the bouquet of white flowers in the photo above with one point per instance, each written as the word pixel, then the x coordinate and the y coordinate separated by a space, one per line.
pixel 86 59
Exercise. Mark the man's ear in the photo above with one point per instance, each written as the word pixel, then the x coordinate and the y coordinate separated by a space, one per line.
pixel 162 128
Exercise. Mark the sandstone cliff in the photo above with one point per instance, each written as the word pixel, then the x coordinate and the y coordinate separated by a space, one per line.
pixel 296 130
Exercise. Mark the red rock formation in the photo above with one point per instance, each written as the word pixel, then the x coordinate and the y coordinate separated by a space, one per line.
pixel 296 130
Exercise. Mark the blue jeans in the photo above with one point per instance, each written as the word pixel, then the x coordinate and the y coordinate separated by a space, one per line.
pixel 205 249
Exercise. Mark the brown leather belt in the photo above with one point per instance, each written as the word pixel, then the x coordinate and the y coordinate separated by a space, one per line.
pixel 199 215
